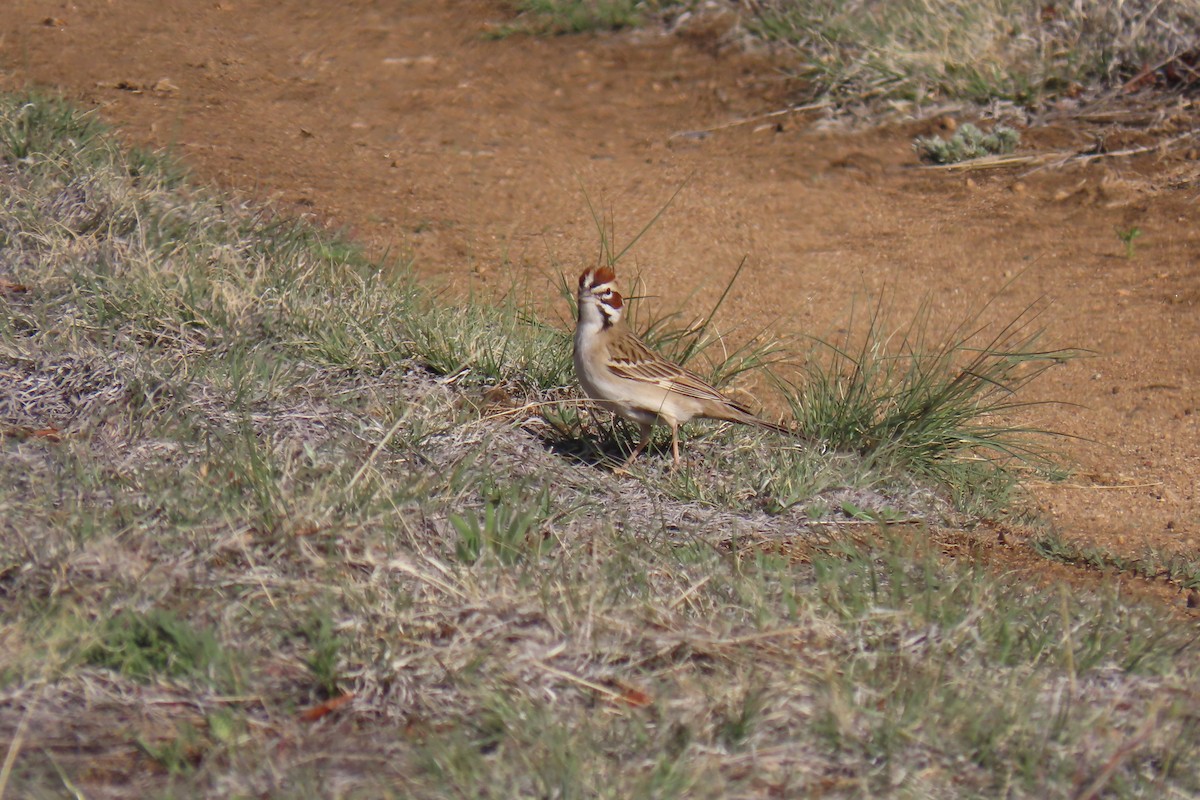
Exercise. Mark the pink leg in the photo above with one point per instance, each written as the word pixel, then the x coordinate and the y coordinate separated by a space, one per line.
pixel 675 444
pixel 644 433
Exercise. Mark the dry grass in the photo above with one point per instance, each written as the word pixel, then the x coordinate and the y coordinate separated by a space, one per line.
pixel 930 51
pixel 254 545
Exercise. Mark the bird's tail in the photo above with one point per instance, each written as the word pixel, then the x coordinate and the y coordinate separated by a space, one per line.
pixel 742 415
pixel 773 426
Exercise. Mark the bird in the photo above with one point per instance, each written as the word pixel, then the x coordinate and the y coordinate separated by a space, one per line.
pixel 617 370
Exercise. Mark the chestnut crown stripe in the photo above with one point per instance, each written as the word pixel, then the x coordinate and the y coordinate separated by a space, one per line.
pixel 596 276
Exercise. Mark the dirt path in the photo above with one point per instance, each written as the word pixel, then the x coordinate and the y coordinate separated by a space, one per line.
pixel 405 125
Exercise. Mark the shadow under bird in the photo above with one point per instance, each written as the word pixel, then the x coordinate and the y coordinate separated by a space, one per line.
pixel 618 371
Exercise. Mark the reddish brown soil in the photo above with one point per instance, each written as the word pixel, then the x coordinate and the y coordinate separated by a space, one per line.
pixel 402 123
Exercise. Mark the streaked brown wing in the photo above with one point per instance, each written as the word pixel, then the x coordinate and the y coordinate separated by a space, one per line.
pixel 634 361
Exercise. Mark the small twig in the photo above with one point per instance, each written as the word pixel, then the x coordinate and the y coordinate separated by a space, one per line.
pixel 1084 158
pixel 68 784
pixel 374 454
pixel 509 412
pixel 201 705
pixel 1122 753
pixel 1133 151
pixel 989 162
pixel 839 522
pixel 778 633
pixel 595 687
pixel 1097 485
pixel 400 565
pixel 746 120
pixel 691 590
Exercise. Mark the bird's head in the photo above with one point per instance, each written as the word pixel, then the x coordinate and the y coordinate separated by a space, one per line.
pixel 598 300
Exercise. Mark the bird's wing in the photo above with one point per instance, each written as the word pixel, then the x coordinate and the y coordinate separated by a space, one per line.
pixel 634 361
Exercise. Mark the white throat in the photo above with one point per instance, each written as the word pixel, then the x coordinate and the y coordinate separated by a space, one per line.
pixel 595 314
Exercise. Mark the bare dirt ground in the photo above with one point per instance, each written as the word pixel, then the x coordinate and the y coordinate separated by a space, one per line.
pixel 405 125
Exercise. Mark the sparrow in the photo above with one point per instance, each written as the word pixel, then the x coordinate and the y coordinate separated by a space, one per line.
pixel 618 371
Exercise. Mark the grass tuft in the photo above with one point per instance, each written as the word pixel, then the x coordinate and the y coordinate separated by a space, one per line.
pixel 145 646
pixel 943 409
pixel 511 527
pixel 966 143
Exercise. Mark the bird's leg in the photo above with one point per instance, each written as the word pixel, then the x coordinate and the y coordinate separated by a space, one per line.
pixel 675 444
pixel 644 429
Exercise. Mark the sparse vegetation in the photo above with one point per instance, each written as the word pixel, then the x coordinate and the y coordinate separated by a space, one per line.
pixel 246 472
pixel 573 16
pixel 966 143
pixel 1020 50
pixel 1127 236
pixel 927 51
pixel 1176 568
